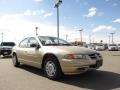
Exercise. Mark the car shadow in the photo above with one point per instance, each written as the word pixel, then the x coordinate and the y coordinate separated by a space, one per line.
pixel 95 80
pixel 32 70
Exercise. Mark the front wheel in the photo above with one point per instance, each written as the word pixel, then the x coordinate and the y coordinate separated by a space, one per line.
pixel 15 60
pixel 52 68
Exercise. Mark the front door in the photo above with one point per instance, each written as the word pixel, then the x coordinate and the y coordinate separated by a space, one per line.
pixel 33 53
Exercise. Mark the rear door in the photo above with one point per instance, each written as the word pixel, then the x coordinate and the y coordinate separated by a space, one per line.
pixel 22 50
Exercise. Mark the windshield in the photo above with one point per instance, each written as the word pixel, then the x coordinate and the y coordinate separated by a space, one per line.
pixel 7 44
pixel 53 41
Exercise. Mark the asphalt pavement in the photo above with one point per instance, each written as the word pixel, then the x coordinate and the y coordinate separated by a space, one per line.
pixel 29 78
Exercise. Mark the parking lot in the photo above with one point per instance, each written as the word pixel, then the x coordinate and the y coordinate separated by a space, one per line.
pixel 29 78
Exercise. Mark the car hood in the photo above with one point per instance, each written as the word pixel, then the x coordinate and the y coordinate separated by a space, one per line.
pixel 69 49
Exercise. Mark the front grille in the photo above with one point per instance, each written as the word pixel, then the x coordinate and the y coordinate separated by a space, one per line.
pixel 8 51
pixel 95 56
pixel 92 56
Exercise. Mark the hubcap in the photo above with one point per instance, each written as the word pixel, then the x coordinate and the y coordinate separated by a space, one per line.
pixel 50 68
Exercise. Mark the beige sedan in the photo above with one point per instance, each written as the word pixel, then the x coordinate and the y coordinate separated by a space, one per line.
pixel 55 56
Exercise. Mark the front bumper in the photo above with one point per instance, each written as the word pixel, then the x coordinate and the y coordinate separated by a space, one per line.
pixel 79 66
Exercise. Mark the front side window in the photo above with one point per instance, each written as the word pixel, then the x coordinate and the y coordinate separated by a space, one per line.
pixel 32 41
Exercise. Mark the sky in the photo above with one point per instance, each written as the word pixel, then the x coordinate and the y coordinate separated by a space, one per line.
pixel 97 18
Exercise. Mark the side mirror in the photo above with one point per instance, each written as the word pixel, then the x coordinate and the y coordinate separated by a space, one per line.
pixel 33 45
pixel 37 46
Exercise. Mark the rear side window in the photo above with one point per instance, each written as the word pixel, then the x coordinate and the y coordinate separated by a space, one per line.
pixel 23 43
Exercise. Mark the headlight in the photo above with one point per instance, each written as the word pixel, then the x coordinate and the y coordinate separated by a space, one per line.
pixel 72 56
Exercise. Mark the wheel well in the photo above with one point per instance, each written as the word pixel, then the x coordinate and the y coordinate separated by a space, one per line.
pixel 46 56
pixel 14 53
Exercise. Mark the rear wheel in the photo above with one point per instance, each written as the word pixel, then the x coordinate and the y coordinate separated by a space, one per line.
pixel 15 60
pixel 52 68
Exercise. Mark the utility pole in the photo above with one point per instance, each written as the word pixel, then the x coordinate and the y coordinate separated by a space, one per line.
pixel 66 36
pixel 57 6
pixel 93 39
pixel 109 39
pixel 112 34
pixel 2 36
pixel 89 39
pixel 36 28
pixel 81 34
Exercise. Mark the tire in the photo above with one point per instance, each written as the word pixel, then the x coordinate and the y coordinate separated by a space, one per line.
pixel 4 55
pixel 15 60
pixel 52 68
